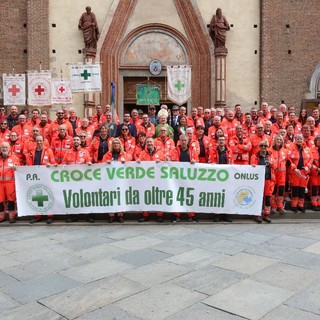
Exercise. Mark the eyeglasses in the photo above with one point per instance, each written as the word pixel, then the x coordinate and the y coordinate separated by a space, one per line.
pixel 4 123
pixel 125 129
pixel 1 109
pixel 263 146
pixel 82 136
pixel 60 113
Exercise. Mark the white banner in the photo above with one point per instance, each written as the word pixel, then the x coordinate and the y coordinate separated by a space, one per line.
pixel 179 83
pixel 39 88
pixel 61 91
pixel 85 77
pixel 14 89
pixel 148 186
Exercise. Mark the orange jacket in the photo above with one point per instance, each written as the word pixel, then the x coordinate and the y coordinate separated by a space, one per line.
pixel 76 156
pixel 5 135
pixel 214 156
pixel 175 154
pixel 96 120
pixel 46 157
pixel 60 147
pixel 30 144
pixel 137 151
pixel 240 149
pixel 89 132
pixel 315 161
pixel 149 130
pixel 95 144
pixel 293 156
pixel 54 128
pixel 24 132
pixel 156 155
pixel 7 167
pixel 229 126
pixel 255 142
pixel 255 161
pixel 45 131
pixel 165 145
pixel 198 121
pixel 17 150
pixel 280 158
pixel 128 145
pixel 122 157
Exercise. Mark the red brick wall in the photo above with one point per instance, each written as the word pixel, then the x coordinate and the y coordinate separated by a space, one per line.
pixel 285 76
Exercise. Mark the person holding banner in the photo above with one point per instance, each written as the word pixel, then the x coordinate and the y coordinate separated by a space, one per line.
pixel 151 154
pixel 184 153
pixel 100 143
pixel 116 154
pixel 8 163
pixel 265 158
pixel 41 155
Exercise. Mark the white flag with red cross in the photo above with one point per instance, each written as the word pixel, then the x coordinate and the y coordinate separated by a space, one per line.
pixel 61 91
pixel 179 83
pixel 14 89
pixel 39 88
pixel 85 77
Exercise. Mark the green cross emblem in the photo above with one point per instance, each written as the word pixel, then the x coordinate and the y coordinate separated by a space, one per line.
pixel 179 85
pixel 40 198
pixel 85 74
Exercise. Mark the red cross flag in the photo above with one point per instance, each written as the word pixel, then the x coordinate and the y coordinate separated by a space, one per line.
pixel 85 77
pixel 14 89
pixel 179 83
pixel 61 92
pixel 39 88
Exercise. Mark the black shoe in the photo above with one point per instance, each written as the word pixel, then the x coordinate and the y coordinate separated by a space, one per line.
pixel 91 220
pixel 227 218
pixel 111 219
pixel 266 218
pixel 33 221
pixel 216 218
pixel 294 209
pixel 159 219
pixel 315 208
pixel 258 219
pixel 12 220
pixel 120 219
pixel 302 209
pixel 49 220
pixel 69 220
pixel 175 219
pixel 193 219
pixel 144 219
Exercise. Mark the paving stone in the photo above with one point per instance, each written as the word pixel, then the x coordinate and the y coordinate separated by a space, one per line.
pixel 87 243
pixel 304 260
pixel 307 299
pixel 175 246
pixel 160 302
pixel 96 270
pixel 227 246
pixel 226 230
pixel 40 268
pixel 173 232
pixel 285 312
pixel 292 242
pixel 314 248
pixel 209 280
pixel 5 279
pixel 35 289
pixel 110 312
pixel 245 263
pixel 141 257
pixel 79 301
pixel 126 232
pixel 7 261
pixel 272 251
pixel 196 258
pixel 4 251
pixel 6 302
pixel 156 273
pixel 286 276
pixel 136 243
pixel 202 238
pixel 32 311
pixel 249 299
pixel 251 238
pixel 203 312
pixel 26 244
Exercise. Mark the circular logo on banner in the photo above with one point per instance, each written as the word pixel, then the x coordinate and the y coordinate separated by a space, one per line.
pixel 40 198
pixel 244 197
pixel 155 67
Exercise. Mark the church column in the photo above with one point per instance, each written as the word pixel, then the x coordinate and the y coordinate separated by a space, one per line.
pixel 220 78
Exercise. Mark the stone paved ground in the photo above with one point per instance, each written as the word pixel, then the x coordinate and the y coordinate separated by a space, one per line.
pixel 183 271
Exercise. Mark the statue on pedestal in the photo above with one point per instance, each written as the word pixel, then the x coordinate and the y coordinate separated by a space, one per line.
pixel 218 31
pixel 89 26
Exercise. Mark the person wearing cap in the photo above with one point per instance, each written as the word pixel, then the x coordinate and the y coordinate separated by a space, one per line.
pixel 152 114
pixel 264 158
pixel 174 117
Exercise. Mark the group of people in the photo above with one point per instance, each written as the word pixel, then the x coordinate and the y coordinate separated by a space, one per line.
pixel 286 143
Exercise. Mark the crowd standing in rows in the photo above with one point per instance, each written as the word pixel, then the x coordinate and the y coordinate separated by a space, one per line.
pixel 286 143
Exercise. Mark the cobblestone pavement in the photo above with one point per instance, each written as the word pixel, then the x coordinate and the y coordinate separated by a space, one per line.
pixel 160 271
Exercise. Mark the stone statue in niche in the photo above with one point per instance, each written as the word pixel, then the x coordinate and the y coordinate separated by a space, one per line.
pixel 218 31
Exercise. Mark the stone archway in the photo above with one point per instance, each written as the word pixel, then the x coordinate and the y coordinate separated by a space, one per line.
pixel 314 84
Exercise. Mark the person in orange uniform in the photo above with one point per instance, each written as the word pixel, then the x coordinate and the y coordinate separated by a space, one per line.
pixel 279 154
pixel 23 130
pixel 264 158
pixel 39 156
pixel 61 143
pixel 8 162
pixel 184 153
pixel 257 138
pixel 116 154
pixel 150 153
pixel 240 146
pixel 55 125
pixel 315 175
pixel 204 142
pixel 4 131
pixel 163 142
pixel 300 164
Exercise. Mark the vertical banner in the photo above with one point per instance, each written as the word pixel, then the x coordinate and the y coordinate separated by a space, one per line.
pixel 61 91
pixel 85 77
pixel 39 88
pixel 179 83
pixel 14 89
